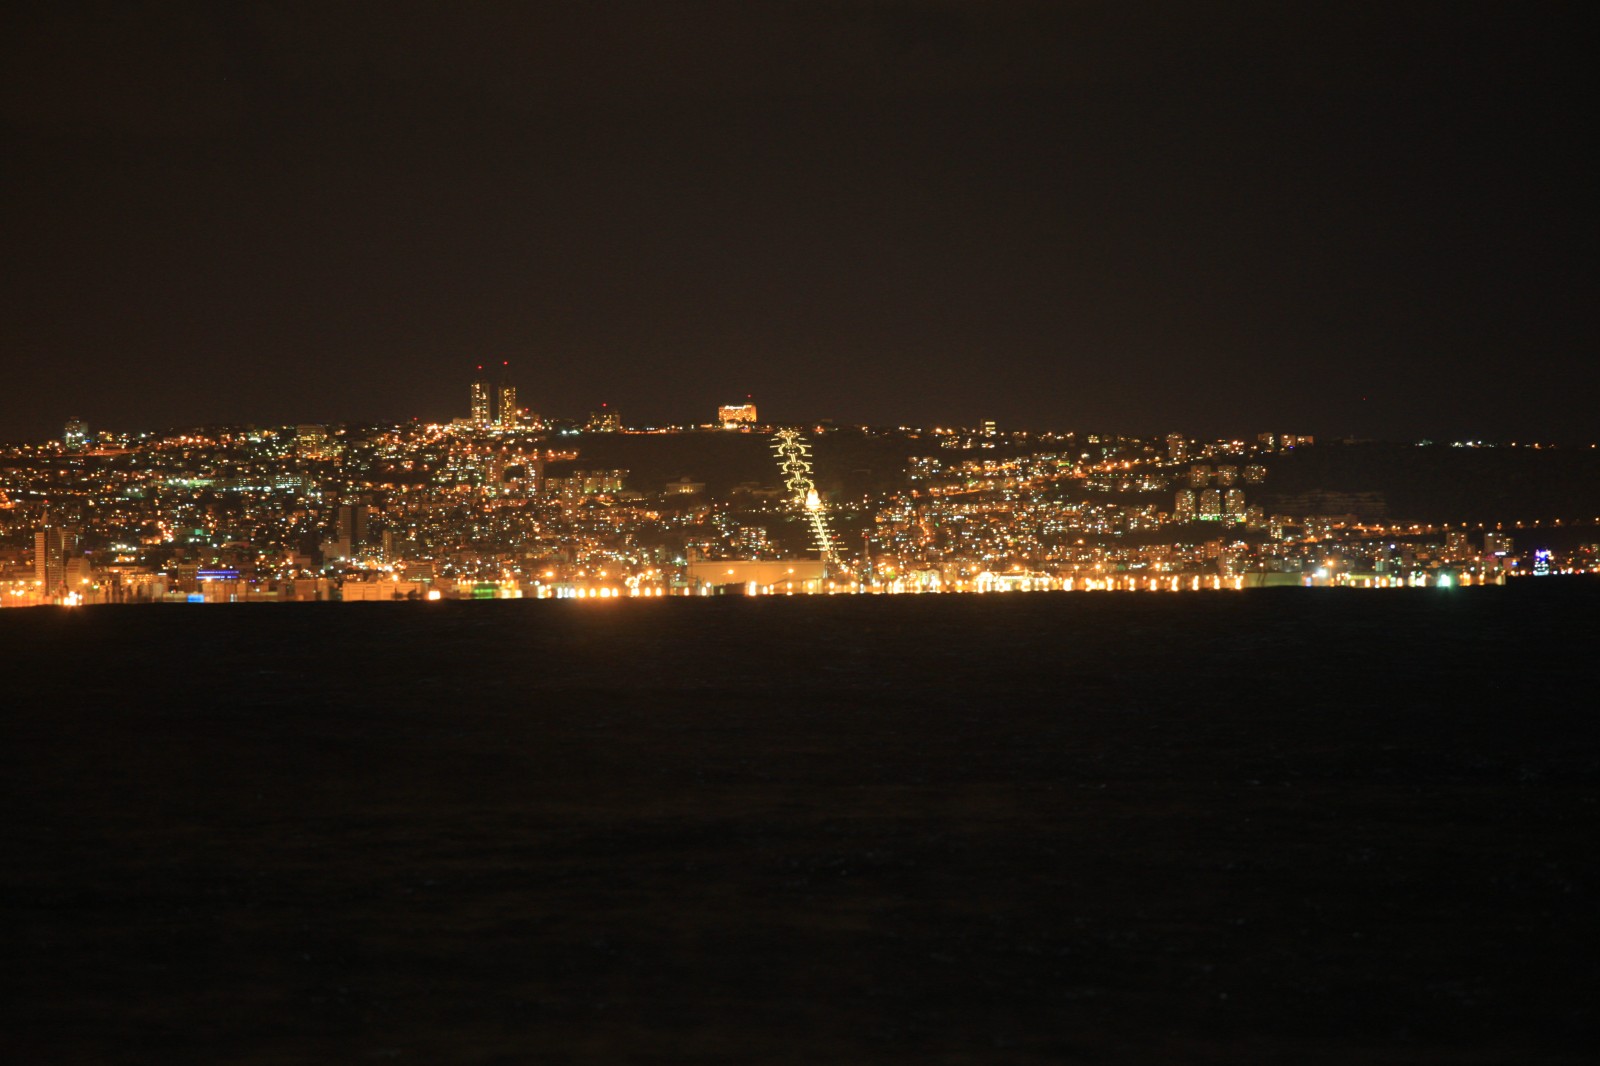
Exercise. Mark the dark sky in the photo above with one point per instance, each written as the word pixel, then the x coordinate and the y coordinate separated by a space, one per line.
pixel 1335 218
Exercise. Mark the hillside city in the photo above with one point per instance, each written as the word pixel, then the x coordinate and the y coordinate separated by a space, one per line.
pixel 500 503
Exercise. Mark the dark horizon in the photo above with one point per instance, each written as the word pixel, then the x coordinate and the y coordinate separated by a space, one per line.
pixel 1354 221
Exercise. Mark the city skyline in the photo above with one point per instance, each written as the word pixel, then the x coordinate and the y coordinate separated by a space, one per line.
pixel 497 504
pixel 497 408
pixel 1358 221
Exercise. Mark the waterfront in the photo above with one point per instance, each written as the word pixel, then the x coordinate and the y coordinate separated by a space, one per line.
pixel 476 510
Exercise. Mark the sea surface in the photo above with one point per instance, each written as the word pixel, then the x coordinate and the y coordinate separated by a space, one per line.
pixel 1286 825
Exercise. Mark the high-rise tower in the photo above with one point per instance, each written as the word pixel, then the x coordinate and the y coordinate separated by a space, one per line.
pixel 508 406
pixel 53 547
pixel 482 403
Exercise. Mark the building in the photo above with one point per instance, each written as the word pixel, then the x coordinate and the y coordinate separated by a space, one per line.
pixel 581 483
pixel 379 590
pixel 1177 447
pixel 1184 506
pixel 312 442
pixel 78 576
pixel 1211 505
pixel 482 404
pixel 731 415
pixel 989 429
pixel 76 435
pixel 509 415
pixel 353 525
pixel 1199 475
pixel 684 486
pixel 772 576
pixel 53 548
pixel 1233 505
pixel 604 420
pixel 753 541
pixel 1227 475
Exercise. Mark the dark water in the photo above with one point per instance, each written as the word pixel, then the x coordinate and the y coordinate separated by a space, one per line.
pixel 1287 825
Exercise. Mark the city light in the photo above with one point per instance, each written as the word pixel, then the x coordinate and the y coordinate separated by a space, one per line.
pixel 497 506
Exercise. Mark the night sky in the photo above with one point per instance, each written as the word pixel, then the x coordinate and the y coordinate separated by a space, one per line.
pixel 1342 219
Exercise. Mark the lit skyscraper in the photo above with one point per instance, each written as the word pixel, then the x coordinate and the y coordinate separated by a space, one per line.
pixel 508 406
pixel 353 524
pixel 52 548
pixel 482 403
